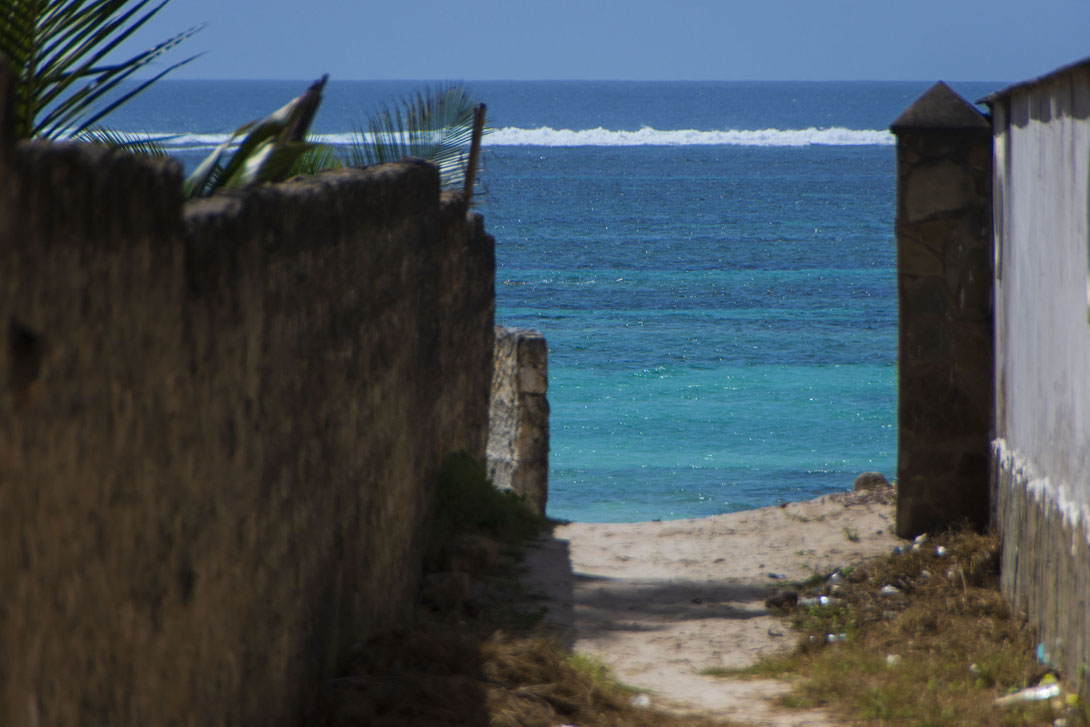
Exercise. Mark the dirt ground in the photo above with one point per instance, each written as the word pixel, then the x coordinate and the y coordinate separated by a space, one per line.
pixel 658 602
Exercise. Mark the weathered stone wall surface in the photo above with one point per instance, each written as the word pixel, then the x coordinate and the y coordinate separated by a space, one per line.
pixel 219 428
pixel 944 275
pixel 1041 452
pixel 518 432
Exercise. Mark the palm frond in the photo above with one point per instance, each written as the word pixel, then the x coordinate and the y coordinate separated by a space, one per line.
pixel 60 48
pixel 436 125
pixel 319 158
pixel 133 143
pixel 267 149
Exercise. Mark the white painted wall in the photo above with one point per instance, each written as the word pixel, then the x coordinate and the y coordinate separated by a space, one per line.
pixel 1042 229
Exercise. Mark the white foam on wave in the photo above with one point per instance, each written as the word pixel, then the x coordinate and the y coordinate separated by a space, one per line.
pixel 547 136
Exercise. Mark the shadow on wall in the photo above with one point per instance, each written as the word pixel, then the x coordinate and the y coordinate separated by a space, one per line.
pixel 222 427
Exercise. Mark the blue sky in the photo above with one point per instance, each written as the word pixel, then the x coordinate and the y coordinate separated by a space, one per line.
pixel 993 40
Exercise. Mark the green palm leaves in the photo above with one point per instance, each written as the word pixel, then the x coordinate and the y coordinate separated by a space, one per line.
pixel 59 50
pixel 268 149
pixel 436 126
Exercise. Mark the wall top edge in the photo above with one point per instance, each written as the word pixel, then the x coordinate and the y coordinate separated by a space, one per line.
pixel 941 109
pixel 1071 68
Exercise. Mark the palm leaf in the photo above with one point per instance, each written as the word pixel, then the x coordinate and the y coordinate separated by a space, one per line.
pixel 60 48
pixel 267 150
pixel 319 158
pixel 133 143
pixel 435 125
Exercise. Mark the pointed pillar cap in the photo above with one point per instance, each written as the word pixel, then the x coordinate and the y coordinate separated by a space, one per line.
pixel 941 109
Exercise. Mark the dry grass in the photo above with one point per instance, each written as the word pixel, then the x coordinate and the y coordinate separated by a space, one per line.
pixel 480 662
pixel 938 651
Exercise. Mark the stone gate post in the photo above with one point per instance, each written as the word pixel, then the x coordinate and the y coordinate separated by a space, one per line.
pixel 944 280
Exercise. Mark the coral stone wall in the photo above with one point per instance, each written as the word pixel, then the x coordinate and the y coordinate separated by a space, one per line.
pixel 518 432
pixel 220 425
pixel 944 280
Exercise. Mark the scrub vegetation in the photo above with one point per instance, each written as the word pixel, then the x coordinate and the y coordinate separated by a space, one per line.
pixel 484 660
pixel 918 638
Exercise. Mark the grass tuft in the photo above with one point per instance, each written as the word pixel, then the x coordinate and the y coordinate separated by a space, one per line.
pixel 486 665
pixel 936 652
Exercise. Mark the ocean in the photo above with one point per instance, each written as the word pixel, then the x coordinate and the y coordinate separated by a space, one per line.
pixel 712 264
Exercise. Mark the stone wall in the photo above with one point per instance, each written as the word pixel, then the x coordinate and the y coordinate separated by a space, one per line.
pixel 1041 455
pixel 221 424
pixel 944 277
pixel 518 432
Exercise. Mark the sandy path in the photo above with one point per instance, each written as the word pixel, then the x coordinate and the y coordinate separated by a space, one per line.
pixel 660 601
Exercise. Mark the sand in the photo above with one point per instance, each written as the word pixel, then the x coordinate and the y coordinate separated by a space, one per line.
pixel 660 601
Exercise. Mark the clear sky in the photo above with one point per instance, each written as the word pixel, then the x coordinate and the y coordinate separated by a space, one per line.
pixel 987 40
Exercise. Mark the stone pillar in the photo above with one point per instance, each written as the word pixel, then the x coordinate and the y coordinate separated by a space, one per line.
pixel 518 419
pixel 944 281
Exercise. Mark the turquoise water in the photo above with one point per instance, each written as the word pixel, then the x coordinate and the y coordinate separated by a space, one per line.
pixel 712 264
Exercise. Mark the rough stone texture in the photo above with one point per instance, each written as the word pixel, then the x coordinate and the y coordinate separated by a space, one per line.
pixel 944 283
pixel 518 427
pixel 1041 456
pixel 1044 564
pixel 221 425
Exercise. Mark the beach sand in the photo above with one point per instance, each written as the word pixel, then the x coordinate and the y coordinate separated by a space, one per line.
pixel 658 602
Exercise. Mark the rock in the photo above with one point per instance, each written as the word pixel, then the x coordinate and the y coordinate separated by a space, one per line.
pixel 869 481
pixel 782 601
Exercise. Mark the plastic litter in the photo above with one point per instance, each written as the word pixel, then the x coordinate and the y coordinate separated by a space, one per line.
pixel 833 638
pixel 940 551
pixel 898 550
pixel 920 539
pixel 892 660
pixel 890 590
pixel 1030 694
pixel 818 601
pixel 642 701
pixel 835 578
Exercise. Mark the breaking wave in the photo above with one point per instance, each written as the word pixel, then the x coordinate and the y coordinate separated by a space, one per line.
pixel 547 136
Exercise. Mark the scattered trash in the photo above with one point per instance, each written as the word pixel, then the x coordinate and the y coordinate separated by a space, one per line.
pixel 940 551
pixel 776 575
pixel 642 701
pixel 890 590
pixel 835 578
pixel 892 660
pixel 1047 656
pixel 920 539
pixel 1030 694
pixel 898 550
pixel 819 601
pixel 925 573
pixel 974 669
pixel 833 638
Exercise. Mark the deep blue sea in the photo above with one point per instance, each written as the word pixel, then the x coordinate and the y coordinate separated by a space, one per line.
pixel 713 266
